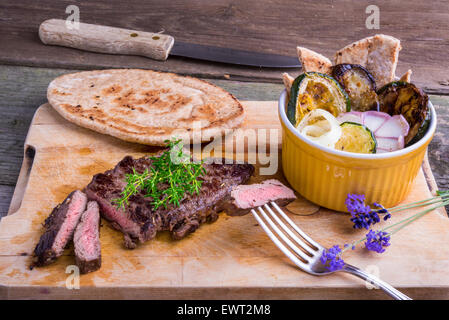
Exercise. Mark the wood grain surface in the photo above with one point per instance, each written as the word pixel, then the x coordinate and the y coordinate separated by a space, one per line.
pixel 231 258
pixel 24 88
pixel 275 26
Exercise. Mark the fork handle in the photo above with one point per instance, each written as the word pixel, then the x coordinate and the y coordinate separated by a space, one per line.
pixel 396 294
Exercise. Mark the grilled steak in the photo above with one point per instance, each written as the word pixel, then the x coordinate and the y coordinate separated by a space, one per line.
pixel 246 197
pixel 140 221
pixel 59 228
pixel 87 239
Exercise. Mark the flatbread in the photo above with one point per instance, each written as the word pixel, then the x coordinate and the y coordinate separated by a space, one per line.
pixel 288 82
pixel 312 61
pixel 145 106
pixel 406 76
pixel 378 54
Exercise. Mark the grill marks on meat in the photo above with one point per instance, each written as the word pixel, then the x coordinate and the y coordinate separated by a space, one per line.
pixel 59 228
pixel 87 239
pixel 140 222
pixel 245 197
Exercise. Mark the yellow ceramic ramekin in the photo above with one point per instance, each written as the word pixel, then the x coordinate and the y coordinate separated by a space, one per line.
pixel 325 176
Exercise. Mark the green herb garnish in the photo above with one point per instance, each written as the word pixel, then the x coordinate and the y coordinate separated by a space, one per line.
pixel 167 180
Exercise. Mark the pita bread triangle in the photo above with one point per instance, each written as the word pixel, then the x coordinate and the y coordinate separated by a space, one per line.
pixel 406 76
pixel 378 54
pixel 312 61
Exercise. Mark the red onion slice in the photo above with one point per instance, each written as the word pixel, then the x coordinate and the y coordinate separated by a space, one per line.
pixel 373 120
pixel 393 128
pixel 389 131
pixel 403 123
pixel 389 144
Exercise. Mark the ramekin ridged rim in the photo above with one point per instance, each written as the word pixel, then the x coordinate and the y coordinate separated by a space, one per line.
pixel 377 156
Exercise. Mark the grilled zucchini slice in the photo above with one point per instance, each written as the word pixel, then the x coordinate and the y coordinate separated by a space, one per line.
pixel 314 90
pixel 356 138
pixel 359 84
pixel 405 98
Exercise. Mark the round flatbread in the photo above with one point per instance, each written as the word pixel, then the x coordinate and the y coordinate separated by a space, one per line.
pixel 145 106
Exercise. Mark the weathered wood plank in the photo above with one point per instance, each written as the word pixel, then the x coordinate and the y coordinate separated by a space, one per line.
pixel 439 147
pixel 275 26
pixel 6 193
pixel 23 89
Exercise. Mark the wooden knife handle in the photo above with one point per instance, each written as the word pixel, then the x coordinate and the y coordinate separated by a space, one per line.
pixel 105 39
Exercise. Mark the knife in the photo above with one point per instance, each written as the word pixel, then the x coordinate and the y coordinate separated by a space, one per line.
pixel 104 39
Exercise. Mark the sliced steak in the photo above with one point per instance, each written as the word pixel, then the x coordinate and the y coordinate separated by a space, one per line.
pixel 246 197
pixel 87 239
pixel 59 228
pixel 140 221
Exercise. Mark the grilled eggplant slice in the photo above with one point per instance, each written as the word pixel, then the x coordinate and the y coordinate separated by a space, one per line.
pixel 421 131
pixel 405 98
pixel 359 84
pixel 314 90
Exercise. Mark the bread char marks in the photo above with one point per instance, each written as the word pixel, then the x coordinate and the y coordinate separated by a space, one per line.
pixel 165 101
pixel 162 99
pixel 94 114
pixel 145 106
pixel 125 101
pixel 158 102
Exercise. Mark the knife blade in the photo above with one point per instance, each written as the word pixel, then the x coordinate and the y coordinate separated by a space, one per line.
pixel 105 39
pixel 233 56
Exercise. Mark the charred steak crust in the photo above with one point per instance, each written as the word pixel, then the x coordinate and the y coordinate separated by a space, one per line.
pixel 59 227
pixel 87 240
pixel 140 222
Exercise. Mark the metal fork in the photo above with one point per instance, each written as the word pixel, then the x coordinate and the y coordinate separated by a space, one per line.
pixel 298 244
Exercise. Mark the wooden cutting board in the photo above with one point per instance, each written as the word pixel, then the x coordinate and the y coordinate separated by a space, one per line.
pixel 230 259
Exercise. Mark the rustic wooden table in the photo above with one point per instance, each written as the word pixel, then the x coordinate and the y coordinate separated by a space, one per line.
pixel 27 66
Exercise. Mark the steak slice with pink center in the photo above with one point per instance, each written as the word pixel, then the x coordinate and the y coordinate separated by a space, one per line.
pixel 246 197
pixel 87 239
pixel 59 228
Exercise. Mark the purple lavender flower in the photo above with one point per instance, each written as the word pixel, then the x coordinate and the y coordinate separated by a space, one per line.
pixel 356 203
pixel 361 214
pixel 377 241
pixel 382 210
pixel 351 245
pixel 331 258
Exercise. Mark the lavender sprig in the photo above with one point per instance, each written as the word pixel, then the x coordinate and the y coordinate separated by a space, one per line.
pixel 377 240
pixel 361 214
pixel 331 258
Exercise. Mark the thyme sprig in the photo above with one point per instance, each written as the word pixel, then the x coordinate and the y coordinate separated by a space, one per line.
pixel 169 178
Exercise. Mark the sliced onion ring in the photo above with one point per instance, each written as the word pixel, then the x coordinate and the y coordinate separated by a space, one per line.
pixel 329 137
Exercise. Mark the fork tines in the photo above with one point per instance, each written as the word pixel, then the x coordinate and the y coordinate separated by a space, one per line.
pixel 292 241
